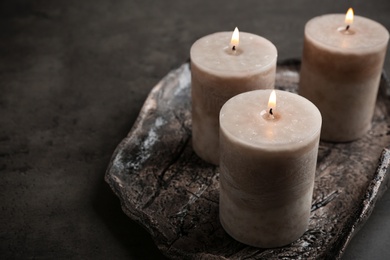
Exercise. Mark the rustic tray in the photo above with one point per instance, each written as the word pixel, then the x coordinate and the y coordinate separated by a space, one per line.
pixel 165 187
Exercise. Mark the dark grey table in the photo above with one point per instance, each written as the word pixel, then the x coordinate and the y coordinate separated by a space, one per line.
pixel 73 77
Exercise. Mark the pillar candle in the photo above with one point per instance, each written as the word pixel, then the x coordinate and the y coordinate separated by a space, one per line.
pixel 220 70
pixel 268 164
pixel 340 73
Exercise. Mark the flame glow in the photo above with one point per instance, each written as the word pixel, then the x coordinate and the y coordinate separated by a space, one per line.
pixel 272 100
pixel 235 38
pixel 349 17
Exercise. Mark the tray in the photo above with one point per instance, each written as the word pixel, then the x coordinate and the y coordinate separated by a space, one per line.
pixel 164 186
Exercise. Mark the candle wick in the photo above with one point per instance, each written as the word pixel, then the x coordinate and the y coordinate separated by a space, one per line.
pixel 347 27
pixel 234 47
pixel 270 111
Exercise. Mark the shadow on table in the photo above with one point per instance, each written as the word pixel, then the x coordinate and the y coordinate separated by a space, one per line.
pixel 133 238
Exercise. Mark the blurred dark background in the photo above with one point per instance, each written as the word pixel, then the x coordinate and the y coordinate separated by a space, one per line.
pixel 73 77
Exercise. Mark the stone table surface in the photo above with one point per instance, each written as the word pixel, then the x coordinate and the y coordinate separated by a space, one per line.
pixel 73 78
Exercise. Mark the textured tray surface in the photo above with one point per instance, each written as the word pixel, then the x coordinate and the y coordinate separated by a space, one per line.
pixel 166 188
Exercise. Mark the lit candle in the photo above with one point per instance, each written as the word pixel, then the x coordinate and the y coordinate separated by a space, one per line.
pixel 267 167
pixel 341 67
pixel 223 66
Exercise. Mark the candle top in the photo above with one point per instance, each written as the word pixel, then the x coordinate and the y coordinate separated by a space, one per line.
pixel 297 120
pixel 366 34
pixel 214 54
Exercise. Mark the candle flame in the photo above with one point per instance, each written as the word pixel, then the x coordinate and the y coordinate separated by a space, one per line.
pixel 272 100
pixel 349 17
pixel 235 39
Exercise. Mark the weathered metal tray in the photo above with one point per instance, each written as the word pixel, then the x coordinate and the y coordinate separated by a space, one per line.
pixel 166 188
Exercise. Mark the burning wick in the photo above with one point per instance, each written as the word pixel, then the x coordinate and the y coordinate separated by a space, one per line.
pixel 348 23
pixel 268 113
pixel 349 18
pixel 235 39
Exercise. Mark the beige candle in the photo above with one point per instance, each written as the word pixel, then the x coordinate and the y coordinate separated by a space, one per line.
pixel 268 163
pixel 341 67
pixel 220 70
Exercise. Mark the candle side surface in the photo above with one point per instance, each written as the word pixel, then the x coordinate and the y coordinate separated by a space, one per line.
pixel 267 167
pixel 340 74
pixel 217 74
pixel 209 93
